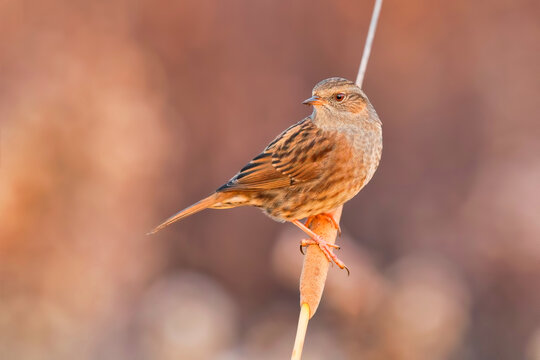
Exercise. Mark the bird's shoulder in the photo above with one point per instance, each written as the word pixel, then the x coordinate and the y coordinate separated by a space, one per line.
pixel 295 156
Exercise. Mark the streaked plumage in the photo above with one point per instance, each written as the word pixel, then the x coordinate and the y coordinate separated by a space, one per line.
pixel 312 167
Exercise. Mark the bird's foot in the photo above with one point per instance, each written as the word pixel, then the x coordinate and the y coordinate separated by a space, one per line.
pixel 327 250
pixel 325 246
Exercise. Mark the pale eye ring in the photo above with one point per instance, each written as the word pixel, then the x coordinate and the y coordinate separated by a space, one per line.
pixel 340 97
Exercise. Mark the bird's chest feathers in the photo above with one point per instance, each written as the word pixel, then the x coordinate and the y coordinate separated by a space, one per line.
pixel 357 150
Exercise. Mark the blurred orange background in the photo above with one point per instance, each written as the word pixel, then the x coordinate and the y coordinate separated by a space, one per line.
pixel 116 114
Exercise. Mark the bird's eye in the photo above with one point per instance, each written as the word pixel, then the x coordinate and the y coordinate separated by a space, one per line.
pixel 340 97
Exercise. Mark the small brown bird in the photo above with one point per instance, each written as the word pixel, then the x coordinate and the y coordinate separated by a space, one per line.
pixel 312 167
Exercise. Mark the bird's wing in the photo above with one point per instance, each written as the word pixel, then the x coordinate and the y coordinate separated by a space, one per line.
pixel 296 156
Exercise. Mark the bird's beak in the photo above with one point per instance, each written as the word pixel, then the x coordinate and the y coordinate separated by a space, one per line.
pixel 314 100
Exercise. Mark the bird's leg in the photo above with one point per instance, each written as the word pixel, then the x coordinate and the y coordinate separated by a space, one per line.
pixel 309 220
pixel 324 245
pixel 329 216
pixel 332 220
pixel 314 236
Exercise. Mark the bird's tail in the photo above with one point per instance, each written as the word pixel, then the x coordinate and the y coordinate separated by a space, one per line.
pixel 195 208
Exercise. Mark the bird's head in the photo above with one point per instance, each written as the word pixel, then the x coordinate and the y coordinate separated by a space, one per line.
pixel 337 95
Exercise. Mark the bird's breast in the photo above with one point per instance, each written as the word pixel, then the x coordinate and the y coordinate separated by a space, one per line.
pixel 344 171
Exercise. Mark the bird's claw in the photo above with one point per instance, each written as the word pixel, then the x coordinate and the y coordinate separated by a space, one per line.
pixel 326 249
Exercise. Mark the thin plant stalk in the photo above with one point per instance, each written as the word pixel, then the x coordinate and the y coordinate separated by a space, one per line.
pixel 315 268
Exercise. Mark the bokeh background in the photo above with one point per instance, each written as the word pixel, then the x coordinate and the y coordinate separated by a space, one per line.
pixel 116 114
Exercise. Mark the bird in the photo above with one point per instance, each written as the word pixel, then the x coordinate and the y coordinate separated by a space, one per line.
pixel 311 168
